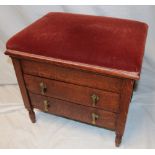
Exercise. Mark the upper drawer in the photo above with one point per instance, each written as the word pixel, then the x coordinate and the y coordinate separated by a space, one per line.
pixel 74 76
pixel 73 93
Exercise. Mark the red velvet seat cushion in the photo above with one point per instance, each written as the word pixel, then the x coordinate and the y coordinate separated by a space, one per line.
pixel 102 41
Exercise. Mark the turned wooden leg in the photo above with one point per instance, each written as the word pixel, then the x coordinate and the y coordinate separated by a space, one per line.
pixel 32 116
pixel 118 140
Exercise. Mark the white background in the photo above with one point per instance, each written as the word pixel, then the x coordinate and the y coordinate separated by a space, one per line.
pixel 62 133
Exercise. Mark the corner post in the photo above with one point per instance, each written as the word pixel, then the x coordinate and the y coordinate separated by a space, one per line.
pixel 25 96
pixel 125 98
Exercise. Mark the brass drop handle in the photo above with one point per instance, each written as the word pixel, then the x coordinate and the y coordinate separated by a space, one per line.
pixel 94 118
pixel 43 88
pixel 46 105
pixel 95 99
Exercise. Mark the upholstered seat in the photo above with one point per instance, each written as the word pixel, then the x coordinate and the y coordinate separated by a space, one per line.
pixel 101 41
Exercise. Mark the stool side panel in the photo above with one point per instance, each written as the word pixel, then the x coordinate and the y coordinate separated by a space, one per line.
pixel 21 82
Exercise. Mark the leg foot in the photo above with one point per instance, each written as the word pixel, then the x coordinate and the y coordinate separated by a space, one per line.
pixel 118 140
pixel 32 116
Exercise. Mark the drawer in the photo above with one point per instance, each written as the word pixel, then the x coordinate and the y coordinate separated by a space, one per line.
pixel 74 111
pixel 74 76
pixel 73 93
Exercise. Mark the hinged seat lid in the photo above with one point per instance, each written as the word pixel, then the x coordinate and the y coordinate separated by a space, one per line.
pixel 106 42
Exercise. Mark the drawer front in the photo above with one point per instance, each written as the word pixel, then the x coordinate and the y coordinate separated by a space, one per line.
pixel 73 93
pixel 74 111
pixel 74 76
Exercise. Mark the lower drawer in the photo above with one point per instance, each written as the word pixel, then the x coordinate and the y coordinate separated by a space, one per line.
pixel 74 111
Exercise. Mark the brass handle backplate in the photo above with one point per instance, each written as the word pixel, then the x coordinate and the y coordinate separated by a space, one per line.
pixel 95 99
pixel 94 118
pixel 46 105
pixel 43 88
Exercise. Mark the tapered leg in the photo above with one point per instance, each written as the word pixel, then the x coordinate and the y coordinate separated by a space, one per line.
pixel 32 116
pixel 118 140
